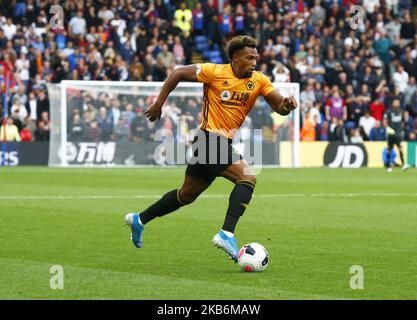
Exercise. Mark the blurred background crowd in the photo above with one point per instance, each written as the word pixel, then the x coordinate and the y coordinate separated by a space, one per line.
pixel 351 75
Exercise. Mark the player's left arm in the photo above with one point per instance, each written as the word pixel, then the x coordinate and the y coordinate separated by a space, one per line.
pixel 280 104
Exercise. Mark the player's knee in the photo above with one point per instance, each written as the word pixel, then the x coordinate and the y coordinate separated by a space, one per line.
pixel 251 179
pixel 187 196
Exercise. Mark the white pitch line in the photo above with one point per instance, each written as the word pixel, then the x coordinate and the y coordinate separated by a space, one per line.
pixel 209 196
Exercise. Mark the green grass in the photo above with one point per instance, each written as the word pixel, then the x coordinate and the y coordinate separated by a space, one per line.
pixel 316 225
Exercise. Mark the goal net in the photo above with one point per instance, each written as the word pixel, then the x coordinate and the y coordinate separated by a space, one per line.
pixel 102 123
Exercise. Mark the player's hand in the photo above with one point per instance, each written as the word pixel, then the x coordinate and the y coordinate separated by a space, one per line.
pixel 153 112
pixel 289 103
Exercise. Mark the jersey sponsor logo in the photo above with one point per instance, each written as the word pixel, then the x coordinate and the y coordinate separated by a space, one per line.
pixel 225 95
pixel 250 85
pixel 340 155
pixel 240 96
pixel 237 99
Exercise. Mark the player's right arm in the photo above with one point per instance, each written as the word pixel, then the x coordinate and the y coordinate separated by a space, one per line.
pixel 185 73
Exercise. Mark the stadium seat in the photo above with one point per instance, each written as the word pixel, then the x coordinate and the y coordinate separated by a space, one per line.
pixel 350 125
pixel 200 39
pixel 201 47
pixel 211 54
pixel 216 60
pixel 216 47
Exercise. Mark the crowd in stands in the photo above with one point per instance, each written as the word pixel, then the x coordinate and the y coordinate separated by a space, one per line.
pixel 349 74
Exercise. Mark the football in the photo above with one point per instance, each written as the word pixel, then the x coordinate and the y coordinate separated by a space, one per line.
pixel 253 257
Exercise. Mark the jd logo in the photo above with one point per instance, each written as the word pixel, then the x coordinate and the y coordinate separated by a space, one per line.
pixel 345 156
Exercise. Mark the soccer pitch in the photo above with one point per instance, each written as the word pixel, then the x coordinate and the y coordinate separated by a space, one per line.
pixel 315 223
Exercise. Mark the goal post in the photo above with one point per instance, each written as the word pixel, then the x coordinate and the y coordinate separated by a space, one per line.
pixel 101 123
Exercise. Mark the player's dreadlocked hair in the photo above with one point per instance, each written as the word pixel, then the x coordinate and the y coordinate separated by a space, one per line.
pixel 238 43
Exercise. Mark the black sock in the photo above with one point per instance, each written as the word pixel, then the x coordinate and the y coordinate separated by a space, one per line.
pixel 238 201
pixel 168 203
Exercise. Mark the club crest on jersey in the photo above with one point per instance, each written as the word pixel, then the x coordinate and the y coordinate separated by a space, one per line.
pixel 250 85
pixel 225 95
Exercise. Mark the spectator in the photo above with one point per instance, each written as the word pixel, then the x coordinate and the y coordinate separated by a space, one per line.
pixel 178 50
pixel 26 134
pixel 119 24
pixel 377 107
pixel 9 131
pixel 42 104
pixel 161 10
pixel 16 120
pixel 215 33
pixel 393 29
pixel 31 126
pixel 210 10
pixel 307 97
pixel 410 91
pixel 337 130
pixel 78 25
pixel 308 130
pixel 409 63
pixel 22 68
pixel 183 17
pixel 128 114
pixel 76 131
pixel 322 131
pixel 226 21
pixel 408 28
pixel 45 120
pixel 378 132
pixel 121 130
pixel 367 122
pixel 383 46
pixel 20 109
pixel 93 133
pixel 239 20
pixel 138 125
pixel 336 106
pixel 198 19
pixel 355 136
pixel 105 123
pixel 400 78
pixel 281 73
pixel 9 29
pixel 165 58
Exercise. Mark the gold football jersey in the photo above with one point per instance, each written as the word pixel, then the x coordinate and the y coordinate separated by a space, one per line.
pixel 227 99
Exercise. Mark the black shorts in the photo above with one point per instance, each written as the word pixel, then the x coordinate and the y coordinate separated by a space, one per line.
pixel 394 140
pixel 212 154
